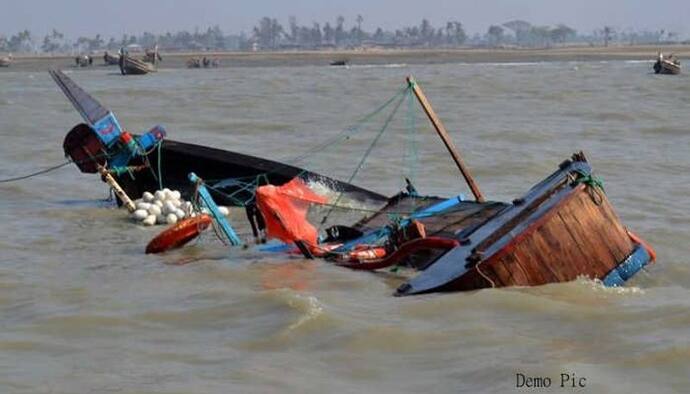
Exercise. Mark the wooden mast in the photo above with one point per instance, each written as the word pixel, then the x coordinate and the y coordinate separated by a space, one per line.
pixel 441 130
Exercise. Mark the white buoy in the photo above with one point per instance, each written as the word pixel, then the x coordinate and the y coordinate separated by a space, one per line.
pixel 159 195
pixel 140 214
pixel 180 213
pixel 176 194
pixel 155 210
pixel 159 203
pixel 147 197
pixel 224 211
pixel 150 220
pixel 171 218
pixel 143 205
pixel 169 207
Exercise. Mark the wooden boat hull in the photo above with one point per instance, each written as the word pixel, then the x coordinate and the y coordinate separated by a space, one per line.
pixel 178 159
pixel 111 60
pixel 131 66
pixel 563 228
pixel 666 67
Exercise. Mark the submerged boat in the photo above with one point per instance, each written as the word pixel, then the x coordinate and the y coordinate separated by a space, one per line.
pixel 561 229
pixel 149 161
pixel 667 65
pixel 341 62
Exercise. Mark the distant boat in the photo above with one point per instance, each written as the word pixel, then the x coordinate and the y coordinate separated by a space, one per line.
pixel 132 66
pixel 342 62
pixel 204 62
pixel 5 61
pixel 83 60
pixel 669 65
pixel 111 60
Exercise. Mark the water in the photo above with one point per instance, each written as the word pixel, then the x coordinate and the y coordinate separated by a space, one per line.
pixel 82 309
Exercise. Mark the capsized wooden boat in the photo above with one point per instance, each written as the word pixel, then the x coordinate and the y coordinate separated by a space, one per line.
pixel 158 161
pixel 667 65
pixel 563 228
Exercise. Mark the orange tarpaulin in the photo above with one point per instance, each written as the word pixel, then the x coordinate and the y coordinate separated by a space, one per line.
pixel 284 209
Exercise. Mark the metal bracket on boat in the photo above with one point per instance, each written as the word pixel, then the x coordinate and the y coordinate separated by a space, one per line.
pixel 208 202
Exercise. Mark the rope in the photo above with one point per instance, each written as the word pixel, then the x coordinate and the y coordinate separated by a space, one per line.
pixel 595 186
pixel 410 152
pixel 37 173
pixel 354 128
pixel 160 174
pixel 367 153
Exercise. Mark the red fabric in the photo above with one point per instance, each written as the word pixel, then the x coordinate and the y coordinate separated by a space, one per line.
pixel 284 209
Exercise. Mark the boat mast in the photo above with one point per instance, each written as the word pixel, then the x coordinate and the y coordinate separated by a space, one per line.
pixel 441 130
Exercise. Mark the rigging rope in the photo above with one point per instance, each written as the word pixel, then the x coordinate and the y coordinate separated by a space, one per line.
pixel 368 152
pixel 37 173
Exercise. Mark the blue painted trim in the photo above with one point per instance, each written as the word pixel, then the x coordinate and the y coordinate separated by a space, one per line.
pixel 375 235
pixel 108 129
pixel 275 247
pixel 213 208
pixel 628 268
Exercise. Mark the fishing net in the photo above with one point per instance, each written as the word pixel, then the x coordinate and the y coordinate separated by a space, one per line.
pixel 284 209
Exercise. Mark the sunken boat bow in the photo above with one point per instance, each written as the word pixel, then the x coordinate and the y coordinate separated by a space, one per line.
pixel 563 228
pixel 234 175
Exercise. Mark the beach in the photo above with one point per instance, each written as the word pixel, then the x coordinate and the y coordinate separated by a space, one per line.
pixel 380 56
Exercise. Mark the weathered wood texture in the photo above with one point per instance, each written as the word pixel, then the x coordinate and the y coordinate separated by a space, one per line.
pixel 582 234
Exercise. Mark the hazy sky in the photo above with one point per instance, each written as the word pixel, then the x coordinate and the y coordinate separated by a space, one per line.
pixel 115 17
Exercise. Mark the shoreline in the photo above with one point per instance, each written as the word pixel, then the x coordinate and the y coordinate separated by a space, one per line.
pixel 34 62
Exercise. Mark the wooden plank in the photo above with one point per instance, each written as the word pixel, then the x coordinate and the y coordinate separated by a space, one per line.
pixel 441 130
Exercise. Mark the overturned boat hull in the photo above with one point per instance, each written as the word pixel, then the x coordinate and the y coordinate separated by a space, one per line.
pixel 563 228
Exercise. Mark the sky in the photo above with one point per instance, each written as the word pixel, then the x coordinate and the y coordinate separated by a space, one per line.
pixel 116 17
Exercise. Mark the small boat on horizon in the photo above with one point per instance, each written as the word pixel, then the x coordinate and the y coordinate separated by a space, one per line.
pixel 83 61
pixel 340 62
pixel 669 65
pixel 5 61
pixel 111 60
pixel 132 66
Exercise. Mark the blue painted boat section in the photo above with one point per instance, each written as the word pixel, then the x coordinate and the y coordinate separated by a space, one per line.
pixel 375 235
pixel 213 208
pixel 628 268
pixel 107 129
pixel 438 207
pixel 274 246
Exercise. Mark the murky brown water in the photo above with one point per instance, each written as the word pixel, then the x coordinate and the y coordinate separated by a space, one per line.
pixel 82 309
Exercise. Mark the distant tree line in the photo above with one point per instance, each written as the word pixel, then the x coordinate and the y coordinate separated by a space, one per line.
pixel 270 34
